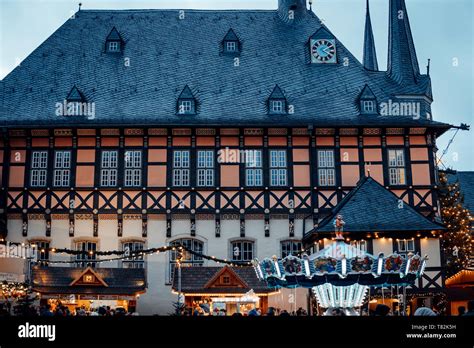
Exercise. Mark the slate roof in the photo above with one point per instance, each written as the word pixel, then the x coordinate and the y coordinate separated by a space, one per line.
pixel 166 53
pixel 194 280
pixel 57 280
pixel 370 207
pixel 466 183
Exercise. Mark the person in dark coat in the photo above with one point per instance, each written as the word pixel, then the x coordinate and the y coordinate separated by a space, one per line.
pixel 382 310
pixel 470 309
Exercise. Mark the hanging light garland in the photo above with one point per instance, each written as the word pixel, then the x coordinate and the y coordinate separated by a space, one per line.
pixel 124 255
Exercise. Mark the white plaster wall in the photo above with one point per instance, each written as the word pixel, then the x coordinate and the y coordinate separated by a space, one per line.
pixel 132 228
pixel 14 231
pixel 60 239
pixel 431 247
pixel 36 228
pixel 382 245
pixel 82 228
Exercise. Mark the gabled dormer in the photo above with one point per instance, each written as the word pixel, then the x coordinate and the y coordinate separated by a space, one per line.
pixel 75 96
pixel 368 102
pixel 231 44
pixel 277 102
pixel 114 42
pixel 322 47
pixel 186 104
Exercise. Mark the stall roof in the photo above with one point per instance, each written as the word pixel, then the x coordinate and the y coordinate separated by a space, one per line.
pixel 196 280
pixel 107 281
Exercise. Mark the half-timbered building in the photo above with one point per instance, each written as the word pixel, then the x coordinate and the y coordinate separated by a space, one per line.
pixel 237 133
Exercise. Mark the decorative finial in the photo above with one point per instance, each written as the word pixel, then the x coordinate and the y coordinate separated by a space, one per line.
pixel 310 5
pixel 80 5
pixel 428 67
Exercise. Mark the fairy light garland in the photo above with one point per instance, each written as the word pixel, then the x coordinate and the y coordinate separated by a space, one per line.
pixel 123 255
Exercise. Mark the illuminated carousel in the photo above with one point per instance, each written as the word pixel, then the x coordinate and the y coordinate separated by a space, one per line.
pixel 341 275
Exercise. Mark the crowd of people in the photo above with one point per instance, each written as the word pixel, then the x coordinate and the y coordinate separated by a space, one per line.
pixel 61 310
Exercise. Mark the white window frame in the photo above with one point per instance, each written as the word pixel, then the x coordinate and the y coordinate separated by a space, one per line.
pixel 231 46
pixel 406 246
pixel 42 256
pixel 185 107
pixel 181 168
pixel 360 244
pixel 39 168
pixel 62 168
pixel 113 46
pixel 246 250
pixel 205 168
pixel 368 105
pixel 326 168
pixel 189 259
pixel 133 168
pixel 278 168
pixel 136 261
pixel 290 247
pixel 84 260
pixel 396 167
pixel 109 168
pixel 277 106
pixel 253 168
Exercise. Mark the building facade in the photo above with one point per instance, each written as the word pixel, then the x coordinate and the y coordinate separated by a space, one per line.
pixel 235 133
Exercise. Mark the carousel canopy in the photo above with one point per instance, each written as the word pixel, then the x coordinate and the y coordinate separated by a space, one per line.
pixel 340 264
pixel 340 274
pixel 370 207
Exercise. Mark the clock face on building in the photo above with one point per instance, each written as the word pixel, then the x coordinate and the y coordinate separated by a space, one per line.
pixel 323 51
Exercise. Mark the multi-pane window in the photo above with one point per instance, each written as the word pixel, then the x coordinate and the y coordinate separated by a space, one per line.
pixel 39 165
pixel 253 168
pixel 406 246
pixel 181 168
pixel 62 168
pixel 278 172
pixel 326 171
pixel 396 167
pixel 188 259
pixel 242 250
pixel 368 106
pixel 205 168
pixel 360 244
pixel 277 106
pixel 109 165
pixel 135 259
pixel 114 46
pixel 133 168
pixel 290 247
pixel 231 46
pixel 42 252
pixel 185 107
pixel 88 256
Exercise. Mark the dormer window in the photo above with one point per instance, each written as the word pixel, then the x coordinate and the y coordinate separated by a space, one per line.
pixel 277 104
pixel 367 102
pixel 231 43
pixel 114 42
pixel 186 102
pixel 368 106
pixel 231 46
pixel 114 46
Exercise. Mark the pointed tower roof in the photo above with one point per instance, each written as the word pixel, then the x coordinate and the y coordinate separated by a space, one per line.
pixel 370 207
pixel 370 53
pixel 186 93
pixel 402 61
pixel 277 93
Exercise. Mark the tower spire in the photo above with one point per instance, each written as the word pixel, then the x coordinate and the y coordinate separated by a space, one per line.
pixel 370 53
pixel 402 60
